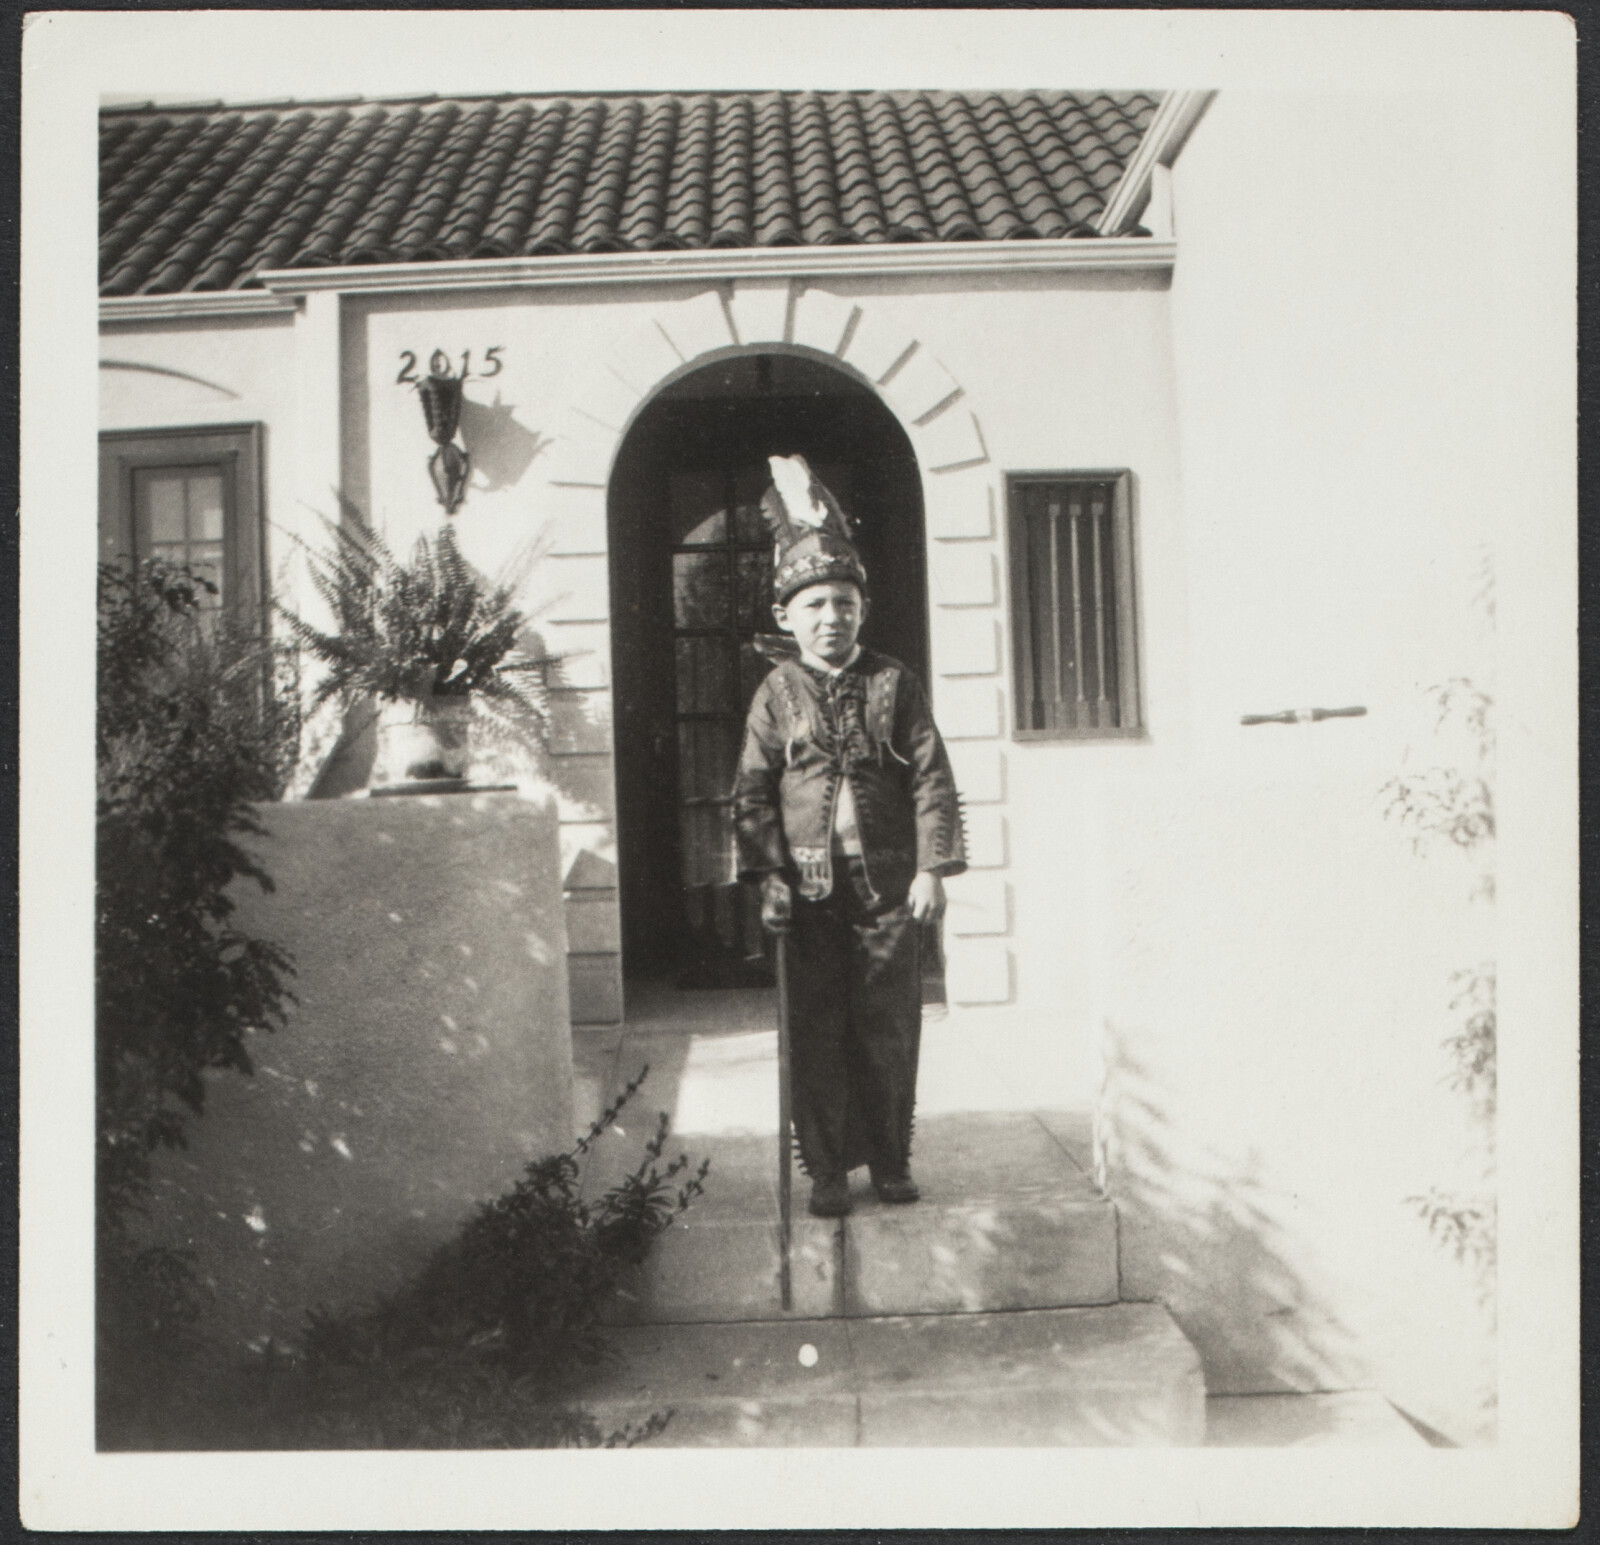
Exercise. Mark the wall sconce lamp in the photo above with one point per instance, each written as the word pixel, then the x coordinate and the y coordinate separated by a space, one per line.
pixel 450 465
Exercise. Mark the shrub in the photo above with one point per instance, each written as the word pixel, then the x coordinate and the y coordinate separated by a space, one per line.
pixel 195 722
pixel 480 1348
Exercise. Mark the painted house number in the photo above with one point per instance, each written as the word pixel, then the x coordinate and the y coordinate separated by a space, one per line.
pixel 439 365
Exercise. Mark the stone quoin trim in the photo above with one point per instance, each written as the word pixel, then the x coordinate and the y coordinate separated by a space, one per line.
pixel 964 619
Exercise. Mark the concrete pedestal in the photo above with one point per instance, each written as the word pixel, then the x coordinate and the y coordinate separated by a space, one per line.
pixel 429 1057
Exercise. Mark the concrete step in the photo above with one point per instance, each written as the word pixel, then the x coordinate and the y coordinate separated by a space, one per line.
pixel 1008 1220
pixel 1119 1375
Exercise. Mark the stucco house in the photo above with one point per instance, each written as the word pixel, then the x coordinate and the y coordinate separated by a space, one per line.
pixel 1151 476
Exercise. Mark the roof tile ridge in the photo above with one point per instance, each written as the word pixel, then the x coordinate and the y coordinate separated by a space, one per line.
pixel 142 143
pixel 373 239
pixel 594 226
pixel 774 222
pixel 732 196
pixel 1074 193
pixel 436 191
pixel 906 215
pixel 352 163
pixel 687 218
pixel 550 229
pixel 306 178
pixel 219 206
pixel 642 218
pixel 943 190
pixel 987 192
pixel 255 214
pixel 516 198
pixel 816 185
pixel 1030 193
pixel 861 211
pixel 153 198
pixel 460 227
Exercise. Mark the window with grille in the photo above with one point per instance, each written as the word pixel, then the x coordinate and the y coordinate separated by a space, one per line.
pixel 190 496
pixel 1072 612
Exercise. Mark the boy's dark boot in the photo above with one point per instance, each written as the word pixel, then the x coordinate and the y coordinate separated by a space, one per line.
pixel 830 1196
pixel 895 1185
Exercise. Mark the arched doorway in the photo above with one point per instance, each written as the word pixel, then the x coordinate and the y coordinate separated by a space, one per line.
pixel 691 571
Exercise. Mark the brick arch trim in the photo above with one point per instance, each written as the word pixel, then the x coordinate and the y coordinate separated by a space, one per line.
pixel 959 487
pixel 929 403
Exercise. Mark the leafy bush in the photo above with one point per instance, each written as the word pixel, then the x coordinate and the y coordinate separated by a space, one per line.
pixel 192 729
pixel 195 722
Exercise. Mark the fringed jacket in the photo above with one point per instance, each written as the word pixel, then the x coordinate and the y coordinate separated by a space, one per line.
pixel 869 723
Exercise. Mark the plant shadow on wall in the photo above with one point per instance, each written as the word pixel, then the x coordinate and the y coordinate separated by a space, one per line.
pixel 1206 1236
pixel 1451 806
pixel 501 449
pixel 487 1346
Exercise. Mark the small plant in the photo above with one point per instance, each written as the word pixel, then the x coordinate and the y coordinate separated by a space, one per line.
pixel 477 1350
pixel 425 628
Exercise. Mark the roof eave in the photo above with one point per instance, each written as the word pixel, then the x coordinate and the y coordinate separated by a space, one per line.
pixel 1169 131
pixel 283 288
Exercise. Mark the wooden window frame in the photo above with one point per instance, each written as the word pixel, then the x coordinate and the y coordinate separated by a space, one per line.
pixel 1130 694
pixel 238 448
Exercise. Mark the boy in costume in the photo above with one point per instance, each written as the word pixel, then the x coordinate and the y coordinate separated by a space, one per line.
pixel 847 816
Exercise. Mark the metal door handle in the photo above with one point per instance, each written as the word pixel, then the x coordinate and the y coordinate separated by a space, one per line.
pixel 1302 716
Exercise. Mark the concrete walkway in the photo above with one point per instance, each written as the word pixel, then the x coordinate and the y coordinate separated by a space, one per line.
pixel 988 1313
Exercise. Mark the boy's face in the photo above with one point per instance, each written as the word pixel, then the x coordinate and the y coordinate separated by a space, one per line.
pixel 825 619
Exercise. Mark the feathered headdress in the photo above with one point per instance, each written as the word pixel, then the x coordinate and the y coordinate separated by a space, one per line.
pixel 810 532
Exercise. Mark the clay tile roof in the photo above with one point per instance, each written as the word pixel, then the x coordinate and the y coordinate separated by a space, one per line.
pixel 206 198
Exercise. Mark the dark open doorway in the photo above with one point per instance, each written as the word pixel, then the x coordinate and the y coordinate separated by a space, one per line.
pixel 691 585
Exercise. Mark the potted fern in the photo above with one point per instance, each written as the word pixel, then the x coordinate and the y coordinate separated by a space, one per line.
pixel 433 641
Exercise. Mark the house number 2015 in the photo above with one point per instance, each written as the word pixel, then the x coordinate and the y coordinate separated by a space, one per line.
pixel 439 365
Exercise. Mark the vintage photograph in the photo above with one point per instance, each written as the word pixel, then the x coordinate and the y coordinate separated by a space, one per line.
pixel 808 767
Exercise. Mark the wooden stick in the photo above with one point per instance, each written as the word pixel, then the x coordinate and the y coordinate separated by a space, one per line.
pixel 785 1123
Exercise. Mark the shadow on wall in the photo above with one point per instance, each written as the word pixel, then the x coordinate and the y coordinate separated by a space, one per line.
pixel 501 449
pixel 1203 1234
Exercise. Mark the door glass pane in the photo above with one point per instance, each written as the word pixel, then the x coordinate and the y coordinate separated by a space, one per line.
pixel 163 493
pixel 753 668
pixel 708 750
pixel 704 684
pixel 205 507
pixel 700 590
pixel 749 483
pixel 755 592
pixel 706 833
pixel 696 508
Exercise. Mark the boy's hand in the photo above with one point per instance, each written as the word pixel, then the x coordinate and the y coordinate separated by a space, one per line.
pixel 777 903
pixel 926 898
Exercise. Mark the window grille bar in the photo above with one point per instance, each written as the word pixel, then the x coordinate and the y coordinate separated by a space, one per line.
pixel 1079 704
pixel 1058 696
pixel 1102 707
pixel 1043 616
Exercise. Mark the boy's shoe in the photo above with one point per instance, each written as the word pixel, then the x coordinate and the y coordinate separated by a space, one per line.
pixel 897 1186
pixel 830 1196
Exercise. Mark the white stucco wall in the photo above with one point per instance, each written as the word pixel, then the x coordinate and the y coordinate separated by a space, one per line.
pixel 1279 959
pixel 1080 379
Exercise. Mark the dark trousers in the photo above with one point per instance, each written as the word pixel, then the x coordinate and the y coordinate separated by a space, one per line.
pixel 855 1026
